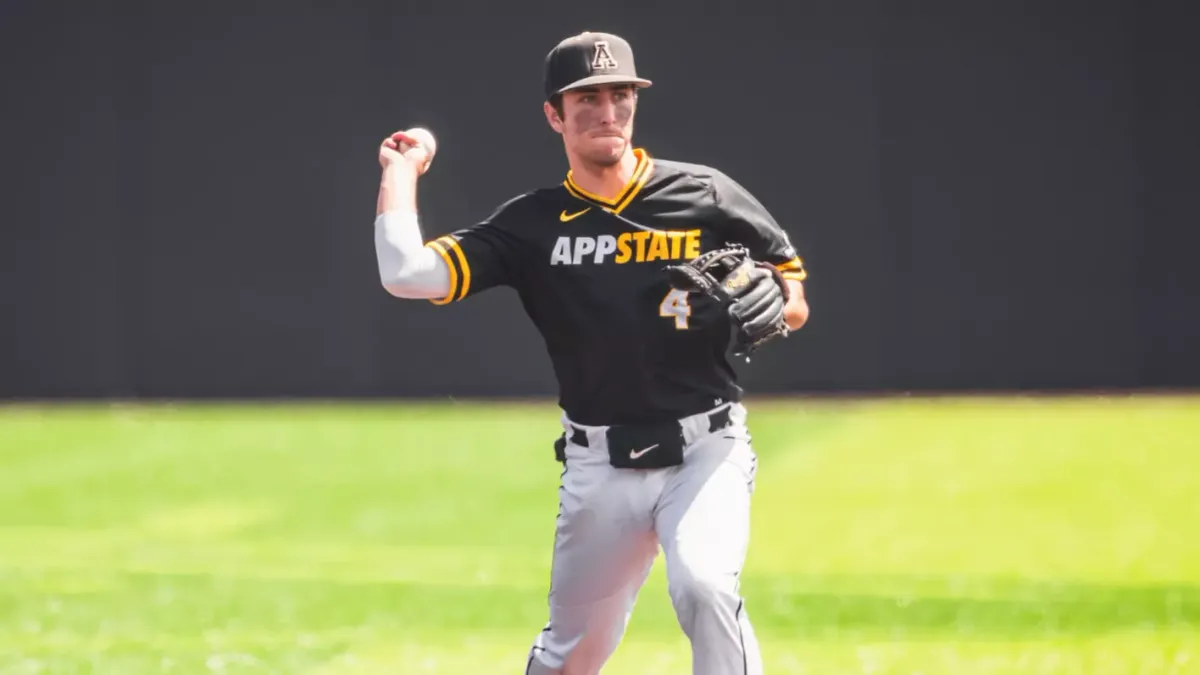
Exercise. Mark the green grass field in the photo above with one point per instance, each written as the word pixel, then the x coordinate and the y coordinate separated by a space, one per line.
pixel 973 536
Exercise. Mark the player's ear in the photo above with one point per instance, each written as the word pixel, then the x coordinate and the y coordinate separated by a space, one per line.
pixel 552 117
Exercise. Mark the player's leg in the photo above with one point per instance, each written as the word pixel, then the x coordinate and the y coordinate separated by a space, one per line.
pixel 704 525
pixel 603 551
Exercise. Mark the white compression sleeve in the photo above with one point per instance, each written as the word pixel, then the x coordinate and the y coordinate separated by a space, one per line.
pixel 407 267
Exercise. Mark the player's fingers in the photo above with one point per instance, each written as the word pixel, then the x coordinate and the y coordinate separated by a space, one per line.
pixel 760 294
pixel 761 311
pixel 402 137
pixel 767 317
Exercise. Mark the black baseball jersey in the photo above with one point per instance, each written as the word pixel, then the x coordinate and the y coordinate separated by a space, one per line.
pixel 625 346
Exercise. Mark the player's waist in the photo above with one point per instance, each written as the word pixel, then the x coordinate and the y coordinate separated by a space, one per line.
pixel 648 392
pixel 691 427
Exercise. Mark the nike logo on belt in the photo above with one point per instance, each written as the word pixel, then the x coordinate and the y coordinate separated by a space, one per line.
pixel 567 217
pixel 634 454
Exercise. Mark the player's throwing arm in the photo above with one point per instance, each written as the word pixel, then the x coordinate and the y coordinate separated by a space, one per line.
pixel 407 268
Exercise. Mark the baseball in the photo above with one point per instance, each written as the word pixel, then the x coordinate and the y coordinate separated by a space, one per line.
pixel 425 139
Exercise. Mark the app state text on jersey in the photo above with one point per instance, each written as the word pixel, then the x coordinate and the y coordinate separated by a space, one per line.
pixel 625 347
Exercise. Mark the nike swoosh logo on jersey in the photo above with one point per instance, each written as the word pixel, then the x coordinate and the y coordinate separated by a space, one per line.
pixel 567 217
pixel 634 454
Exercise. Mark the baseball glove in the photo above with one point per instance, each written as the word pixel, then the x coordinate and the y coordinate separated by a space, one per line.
pixel 753 292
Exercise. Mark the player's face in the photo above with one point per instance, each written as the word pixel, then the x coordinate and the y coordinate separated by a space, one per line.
pixel 597 123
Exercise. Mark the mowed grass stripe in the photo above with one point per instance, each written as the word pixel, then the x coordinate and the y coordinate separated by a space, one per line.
pixel 128 552
pixel 991 488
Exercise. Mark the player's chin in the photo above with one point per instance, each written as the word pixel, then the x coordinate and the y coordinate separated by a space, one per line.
pixel 606 149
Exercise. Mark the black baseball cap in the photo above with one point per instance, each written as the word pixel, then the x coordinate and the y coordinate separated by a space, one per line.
pixel 589 59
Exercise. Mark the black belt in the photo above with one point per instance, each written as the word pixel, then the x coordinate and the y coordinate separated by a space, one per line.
pixel 717 420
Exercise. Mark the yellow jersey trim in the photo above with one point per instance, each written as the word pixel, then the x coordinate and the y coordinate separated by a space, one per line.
pixel 793 269
pixel 637 187
pixel 462 263
pixel 793 264
pixel 437 246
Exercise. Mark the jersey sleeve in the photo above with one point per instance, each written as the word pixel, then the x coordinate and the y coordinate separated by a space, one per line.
pixel 748 223
pixel 482 256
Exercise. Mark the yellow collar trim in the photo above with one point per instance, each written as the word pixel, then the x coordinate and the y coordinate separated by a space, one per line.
pixel 641 174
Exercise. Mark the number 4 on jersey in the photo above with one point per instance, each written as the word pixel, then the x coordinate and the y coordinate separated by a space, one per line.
pixel 675 304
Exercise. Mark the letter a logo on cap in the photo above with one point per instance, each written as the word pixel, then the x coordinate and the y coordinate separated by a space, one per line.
pixel 602 58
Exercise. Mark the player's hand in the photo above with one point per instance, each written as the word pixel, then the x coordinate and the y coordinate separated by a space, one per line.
pixel 754 293
pixel 758 312
pixel 414 149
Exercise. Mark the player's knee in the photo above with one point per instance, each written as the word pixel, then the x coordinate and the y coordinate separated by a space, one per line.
pixel 696 592
pixel 536 666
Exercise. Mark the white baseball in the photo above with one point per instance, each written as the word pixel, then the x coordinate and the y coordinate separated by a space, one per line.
pixel 425 139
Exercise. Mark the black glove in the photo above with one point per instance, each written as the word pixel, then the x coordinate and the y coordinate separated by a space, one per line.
pixel 753 292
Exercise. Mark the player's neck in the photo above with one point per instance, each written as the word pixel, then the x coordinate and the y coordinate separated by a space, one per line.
pixel 606 181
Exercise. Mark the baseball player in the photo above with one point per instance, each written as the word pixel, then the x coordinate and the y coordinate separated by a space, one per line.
pixel 642 275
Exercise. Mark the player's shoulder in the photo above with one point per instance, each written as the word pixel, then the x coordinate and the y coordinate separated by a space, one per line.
pixel 682 170
pixel 715 183
pixel 522 209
